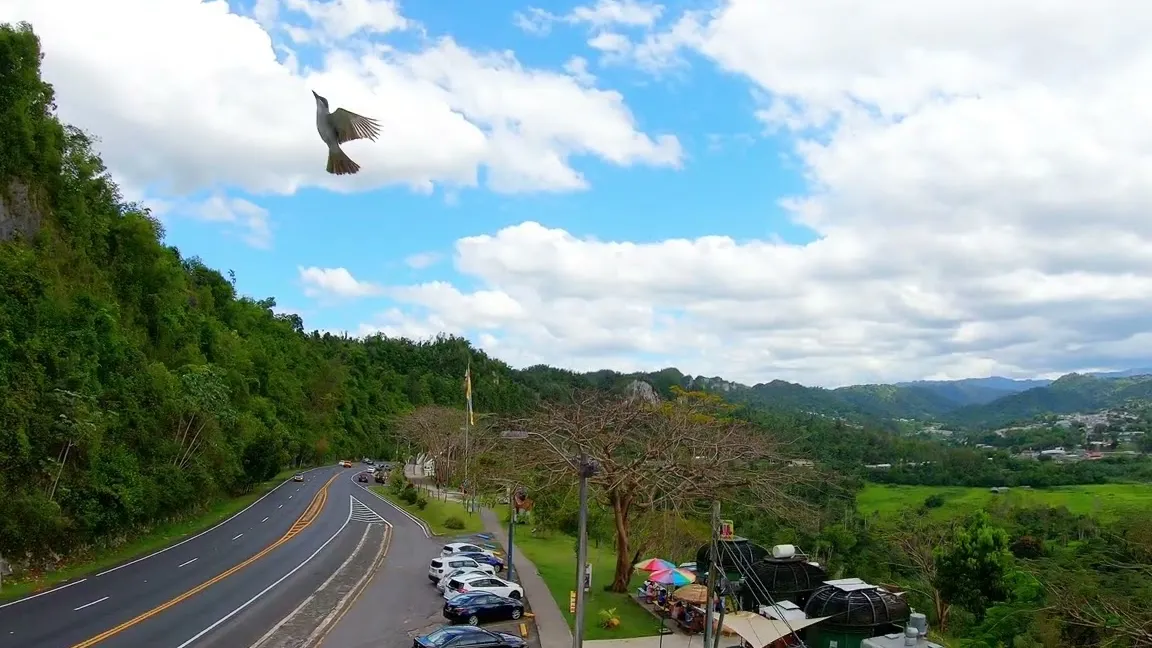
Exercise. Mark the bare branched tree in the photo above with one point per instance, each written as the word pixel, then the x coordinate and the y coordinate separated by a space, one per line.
pixel 672 457
pixel 437 431
pixel 917 541
pixel 1120 621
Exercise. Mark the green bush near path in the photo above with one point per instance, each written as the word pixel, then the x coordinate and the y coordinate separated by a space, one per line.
pixel 18 586
pixel 435 513
pixel 555 558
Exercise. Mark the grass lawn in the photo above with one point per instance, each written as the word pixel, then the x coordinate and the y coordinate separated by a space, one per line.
pixel 160 537
pixel 1104 501
pixel 554 556
pixel 436 512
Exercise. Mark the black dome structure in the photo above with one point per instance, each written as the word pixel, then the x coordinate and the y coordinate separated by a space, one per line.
pixel 735 555
pixel 790 578
pixel 854 604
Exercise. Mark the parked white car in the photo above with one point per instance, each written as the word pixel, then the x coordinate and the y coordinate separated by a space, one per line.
pixel 443 582
pixel 441 566
pixel 453 548
pixel 482 583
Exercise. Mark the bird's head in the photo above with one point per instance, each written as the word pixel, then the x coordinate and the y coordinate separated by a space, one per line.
pixel 320 101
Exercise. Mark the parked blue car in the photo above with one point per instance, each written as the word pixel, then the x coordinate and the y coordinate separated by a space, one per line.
pixel 486 559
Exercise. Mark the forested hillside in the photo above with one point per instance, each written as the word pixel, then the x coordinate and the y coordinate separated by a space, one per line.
pixel 135 384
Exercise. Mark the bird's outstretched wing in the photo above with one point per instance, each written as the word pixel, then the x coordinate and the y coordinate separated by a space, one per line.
pixel 350 126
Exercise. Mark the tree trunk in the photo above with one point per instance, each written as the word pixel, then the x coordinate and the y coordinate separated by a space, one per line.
pixel 623 576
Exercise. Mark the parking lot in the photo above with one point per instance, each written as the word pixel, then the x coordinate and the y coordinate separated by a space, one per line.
pixel 524 627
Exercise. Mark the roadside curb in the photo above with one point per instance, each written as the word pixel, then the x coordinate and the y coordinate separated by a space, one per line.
pixel 428 533
pixel 303 627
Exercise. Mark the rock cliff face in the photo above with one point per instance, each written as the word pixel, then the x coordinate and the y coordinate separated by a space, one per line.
pixel 642 390
pixel 18 214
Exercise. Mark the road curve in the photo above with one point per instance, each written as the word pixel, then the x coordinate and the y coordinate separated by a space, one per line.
pixel 250 586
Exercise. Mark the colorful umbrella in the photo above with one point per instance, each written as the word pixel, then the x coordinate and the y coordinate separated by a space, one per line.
pixel 673 577
pixel 653 565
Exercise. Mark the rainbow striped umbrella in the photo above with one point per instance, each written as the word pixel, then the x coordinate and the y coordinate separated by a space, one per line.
pixel 654 565
pixel 673 576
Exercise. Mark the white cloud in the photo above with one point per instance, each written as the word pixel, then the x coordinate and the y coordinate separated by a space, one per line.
pixel 250 219
pixel 230 114
pixel 600 16
pixel 335 283
pixel 979 193
pixel 422 260
pixel 577 66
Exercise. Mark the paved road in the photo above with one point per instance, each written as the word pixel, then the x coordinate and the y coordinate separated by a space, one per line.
pixel 399 600
pixel 234 611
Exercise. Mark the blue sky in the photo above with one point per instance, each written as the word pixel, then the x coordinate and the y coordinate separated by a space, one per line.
pixel 733 176
pixel 820 192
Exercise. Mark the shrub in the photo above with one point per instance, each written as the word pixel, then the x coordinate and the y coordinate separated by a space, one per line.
pixel 453 522
pixel 934 501
pixel 408 495
pixel 421 503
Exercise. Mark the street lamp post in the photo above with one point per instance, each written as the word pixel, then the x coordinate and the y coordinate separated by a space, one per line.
pixel 585 468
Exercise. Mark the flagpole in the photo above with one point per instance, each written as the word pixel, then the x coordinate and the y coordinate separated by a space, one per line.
pixel 467 424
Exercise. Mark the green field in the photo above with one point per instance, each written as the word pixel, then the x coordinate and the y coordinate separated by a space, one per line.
pixel 1104 501
pixel 554 556
pixel 436 512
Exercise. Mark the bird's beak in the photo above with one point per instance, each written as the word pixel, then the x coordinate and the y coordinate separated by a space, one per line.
pixel 315 95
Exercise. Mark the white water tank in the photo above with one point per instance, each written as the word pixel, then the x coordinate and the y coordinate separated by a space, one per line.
pixel 783 551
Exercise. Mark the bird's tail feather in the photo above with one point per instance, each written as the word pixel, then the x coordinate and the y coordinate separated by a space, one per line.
pixel 340 164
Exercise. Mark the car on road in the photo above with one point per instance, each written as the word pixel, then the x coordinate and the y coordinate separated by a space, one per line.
pixel 470 636
pixel 298 477
pixel 482 583
pixel 485 557
pixel 454 548
pixel 346 463
pixel 475 608
pixel 362 477
pixel 440 566
pixel 443 582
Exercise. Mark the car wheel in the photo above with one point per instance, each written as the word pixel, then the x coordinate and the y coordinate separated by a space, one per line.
pixel 515 595
pixel 516 612
pixel 473 620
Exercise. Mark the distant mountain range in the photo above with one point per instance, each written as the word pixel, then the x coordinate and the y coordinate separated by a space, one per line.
pixel 967 403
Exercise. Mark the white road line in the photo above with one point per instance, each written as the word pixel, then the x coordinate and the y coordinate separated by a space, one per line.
pixel 289 497
pixel 420 523
pixel 269 588
pixel 238 536
pixel 29 598
pixel 99 600
pixel 209 529
pixel 188 563
pixel 263 521
pixel 280 507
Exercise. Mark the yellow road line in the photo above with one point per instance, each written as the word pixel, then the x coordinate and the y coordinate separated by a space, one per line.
pixel 309 516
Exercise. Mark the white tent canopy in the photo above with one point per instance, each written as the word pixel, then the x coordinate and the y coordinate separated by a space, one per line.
pixel 760 631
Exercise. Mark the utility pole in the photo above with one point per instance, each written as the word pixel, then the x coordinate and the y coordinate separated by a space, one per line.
pixel 586 470
pixel 511 528
pixel 712 567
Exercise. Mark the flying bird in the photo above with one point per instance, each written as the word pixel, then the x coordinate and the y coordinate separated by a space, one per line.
pixel 341 126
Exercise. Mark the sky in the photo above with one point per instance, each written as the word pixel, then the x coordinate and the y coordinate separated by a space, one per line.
pixel 827 192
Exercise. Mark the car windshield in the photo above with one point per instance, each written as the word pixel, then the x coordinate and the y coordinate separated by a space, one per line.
pixel 440 636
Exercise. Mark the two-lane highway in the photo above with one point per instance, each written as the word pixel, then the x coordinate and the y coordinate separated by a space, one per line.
pixel 172 597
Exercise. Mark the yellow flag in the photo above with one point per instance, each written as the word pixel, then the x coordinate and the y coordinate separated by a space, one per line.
pixel 468 393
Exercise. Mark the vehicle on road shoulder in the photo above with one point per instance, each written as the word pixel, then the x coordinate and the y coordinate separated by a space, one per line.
pixel 440 566
pixel 482 583
pixel 453 548
pixel 485 557
pixel 470 636
pixel 475 608
pixel 443 582
pixel 299 477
